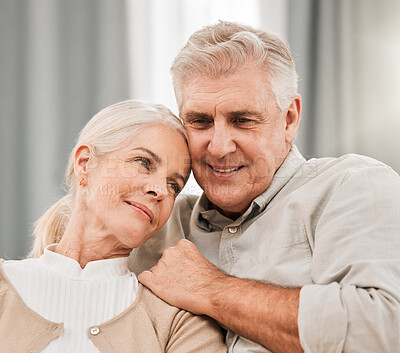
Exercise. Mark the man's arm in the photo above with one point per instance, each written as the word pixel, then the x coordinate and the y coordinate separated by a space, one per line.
pixel 260 312
pixel 350 304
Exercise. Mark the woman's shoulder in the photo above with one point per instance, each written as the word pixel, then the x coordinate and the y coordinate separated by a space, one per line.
pixel 19 263
pixel 11 268
pixel 183 331
pixel 18 266
pixel 155 307
pixel 163 316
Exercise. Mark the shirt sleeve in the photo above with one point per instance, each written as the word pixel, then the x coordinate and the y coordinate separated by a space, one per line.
pixel 195 334
pixel 353 304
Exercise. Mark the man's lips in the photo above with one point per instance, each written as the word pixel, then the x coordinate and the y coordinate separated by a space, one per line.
pixel 142 209
pixel 225 169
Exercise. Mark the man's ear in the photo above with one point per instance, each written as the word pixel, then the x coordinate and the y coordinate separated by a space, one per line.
pixel 81 159
pixel 292 118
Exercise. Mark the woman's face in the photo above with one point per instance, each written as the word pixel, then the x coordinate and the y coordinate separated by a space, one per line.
pixel 130 193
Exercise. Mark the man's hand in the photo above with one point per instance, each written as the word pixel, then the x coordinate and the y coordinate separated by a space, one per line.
pixel 184 278
pixel 263 313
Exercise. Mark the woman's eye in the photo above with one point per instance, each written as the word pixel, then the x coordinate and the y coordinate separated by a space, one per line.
pixel 145 162
pixel 175 187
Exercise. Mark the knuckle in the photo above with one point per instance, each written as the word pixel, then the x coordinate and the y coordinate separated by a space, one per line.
pixel 184 243
pixel 168 251
pixel 144 278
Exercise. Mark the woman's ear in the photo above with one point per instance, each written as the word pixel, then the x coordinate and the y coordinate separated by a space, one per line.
pixel 81 160
pixel 292 117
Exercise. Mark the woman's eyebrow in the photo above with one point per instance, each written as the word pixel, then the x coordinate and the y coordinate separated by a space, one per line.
pixel 178 176
pixel 156 158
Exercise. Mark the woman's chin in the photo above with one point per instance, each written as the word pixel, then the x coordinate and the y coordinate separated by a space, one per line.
pixel 137 239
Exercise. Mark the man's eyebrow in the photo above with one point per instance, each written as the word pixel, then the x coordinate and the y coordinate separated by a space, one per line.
pixel 156 158
pixel 198 115
pixel 231 115
pixel 244 113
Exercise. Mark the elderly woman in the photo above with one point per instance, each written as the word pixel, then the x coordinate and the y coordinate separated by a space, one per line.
pixel 129 164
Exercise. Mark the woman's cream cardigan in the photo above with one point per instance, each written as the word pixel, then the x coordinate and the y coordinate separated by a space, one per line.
pixel 149 325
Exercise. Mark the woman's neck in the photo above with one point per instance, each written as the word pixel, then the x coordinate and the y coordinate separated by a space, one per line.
pixel 84 242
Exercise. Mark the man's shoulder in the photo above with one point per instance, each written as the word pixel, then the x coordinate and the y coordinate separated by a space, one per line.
pixel 344 165
pixel 351 159
pixel 321 177
pixel 183 209
pixel 185 202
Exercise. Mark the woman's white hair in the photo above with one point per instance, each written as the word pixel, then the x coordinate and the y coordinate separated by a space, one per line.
pixel 224 48
pixel 106 132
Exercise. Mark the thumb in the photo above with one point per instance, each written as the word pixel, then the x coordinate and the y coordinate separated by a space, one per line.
pixel 146 278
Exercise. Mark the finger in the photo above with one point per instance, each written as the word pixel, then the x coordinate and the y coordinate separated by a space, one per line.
pixel 146 278
pixel 184 242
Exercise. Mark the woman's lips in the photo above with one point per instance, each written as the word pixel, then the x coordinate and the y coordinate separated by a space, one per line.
pixel 142 209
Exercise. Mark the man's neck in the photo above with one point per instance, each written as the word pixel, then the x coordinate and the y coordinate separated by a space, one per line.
pixel 232 215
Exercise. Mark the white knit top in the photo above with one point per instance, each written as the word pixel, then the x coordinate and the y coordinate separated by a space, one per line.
pixel 57 288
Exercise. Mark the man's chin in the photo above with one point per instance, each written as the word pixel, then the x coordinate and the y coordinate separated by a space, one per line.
pixel 229 205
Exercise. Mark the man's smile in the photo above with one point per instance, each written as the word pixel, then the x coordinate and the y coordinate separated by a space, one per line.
pixel 225 169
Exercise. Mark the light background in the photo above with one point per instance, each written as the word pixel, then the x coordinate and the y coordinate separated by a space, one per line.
pixel 63 60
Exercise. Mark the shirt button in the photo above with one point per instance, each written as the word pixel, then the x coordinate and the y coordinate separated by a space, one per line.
pixel 232 230
pixel 94 331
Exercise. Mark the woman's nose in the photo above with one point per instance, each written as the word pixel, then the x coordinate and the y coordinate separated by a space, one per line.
pixel 157 188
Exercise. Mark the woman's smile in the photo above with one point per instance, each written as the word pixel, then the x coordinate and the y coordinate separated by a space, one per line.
pixel 142 210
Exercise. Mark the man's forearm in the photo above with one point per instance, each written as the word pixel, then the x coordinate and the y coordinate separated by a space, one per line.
pixel 260 312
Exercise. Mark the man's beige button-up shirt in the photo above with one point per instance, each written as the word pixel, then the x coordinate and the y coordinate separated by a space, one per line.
pixel 330 226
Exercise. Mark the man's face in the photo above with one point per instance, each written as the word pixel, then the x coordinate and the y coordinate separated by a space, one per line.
pixel 237 135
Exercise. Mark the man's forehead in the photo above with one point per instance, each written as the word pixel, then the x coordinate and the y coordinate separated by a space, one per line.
pixel 234 104
pixel 239 82
pixel 242 72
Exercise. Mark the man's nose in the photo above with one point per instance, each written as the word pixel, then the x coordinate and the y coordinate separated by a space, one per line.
pixel 221 140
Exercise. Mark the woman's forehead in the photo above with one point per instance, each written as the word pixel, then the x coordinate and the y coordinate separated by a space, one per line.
pixel 162 143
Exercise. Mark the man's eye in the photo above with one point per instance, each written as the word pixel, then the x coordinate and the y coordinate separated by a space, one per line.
pixel 145 162
pixel 244 123
pixel 200 123
pixel 242 120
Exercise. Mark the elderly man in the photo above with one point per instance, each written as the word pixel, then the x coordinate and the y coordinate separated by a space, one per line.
pixel 288 255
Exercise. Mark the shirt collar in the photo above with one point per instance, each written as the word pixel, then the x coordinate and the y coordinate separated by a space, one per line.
pixel 285 172
pixel 209 218
pixel 94 270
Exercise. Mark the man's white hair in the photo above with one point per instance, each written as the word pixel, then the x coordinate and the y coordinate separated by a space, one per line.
pixel 226 47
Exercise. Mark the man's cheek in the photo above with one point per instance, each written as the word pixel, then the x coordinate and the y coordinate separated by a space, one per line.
pixel 261 168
